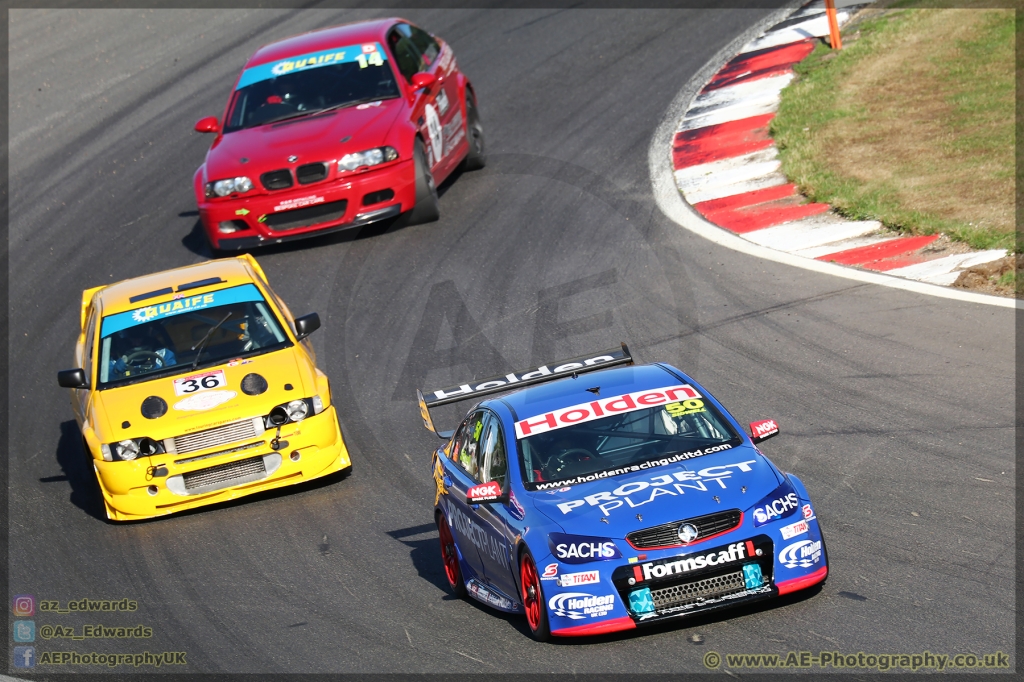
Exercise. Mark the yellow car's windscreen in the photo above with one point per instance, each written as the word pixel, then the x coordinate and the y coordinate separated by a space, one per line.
pixel 171 337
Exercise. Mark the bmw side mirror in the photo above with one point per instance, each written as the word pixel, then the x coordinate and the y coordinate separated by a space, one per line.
pixel 763 430
pixel 210 124
pixel 306 325
pixel 72 378
pixel 423 80
pixel 486 492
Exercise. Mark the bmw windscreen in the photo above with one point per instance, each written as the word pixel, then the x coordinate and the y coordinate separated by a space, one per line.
pixel 619 434
pixel 187 332
pixel 310 83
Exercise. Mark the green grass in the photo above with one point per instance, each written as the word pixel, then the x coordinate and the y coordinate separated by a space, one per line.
pixel 974 87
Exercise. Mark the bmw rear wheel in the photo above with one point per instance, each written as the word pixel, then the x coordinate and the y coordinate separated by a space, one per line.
pixel 450 558
pixel 533 599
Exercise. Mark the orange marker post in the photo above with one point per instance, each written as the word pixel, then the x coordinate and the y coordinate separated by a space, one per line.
pixel 833 25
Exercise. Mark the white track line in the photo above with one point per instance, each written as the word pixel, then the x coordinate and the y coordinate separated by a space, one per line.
pixel 720 192
pixel 811 232
pixel 670 201
pixel 942 266
pixel 705 172
pixel 815 27
pixel 731 94
pixel 755 106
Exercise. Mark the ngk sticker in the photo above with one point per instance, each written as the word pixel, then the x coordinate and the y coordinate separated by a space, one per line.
pixel 485 492
pixel 764 428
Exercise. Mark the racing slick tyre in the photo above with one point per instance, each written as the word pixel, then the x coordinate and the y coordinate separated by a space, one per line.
pixel 533 598
pixel 426 209
pixel 450 558
pixel 476 158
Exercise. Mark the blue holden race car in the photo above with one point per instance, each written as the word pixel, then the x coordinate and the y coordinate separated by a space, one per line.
pixel 602 499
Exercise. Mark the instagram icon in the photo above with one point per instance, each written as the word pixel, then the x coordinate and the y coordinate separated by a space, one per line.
pixel 24 605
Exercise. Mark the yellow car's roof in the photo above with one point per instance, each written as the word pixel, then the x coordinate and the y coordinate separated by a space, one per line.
pixel 117 297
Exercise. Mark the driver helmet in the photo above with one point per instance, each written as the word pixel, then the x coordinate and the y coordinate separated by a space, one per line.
pixel 139 337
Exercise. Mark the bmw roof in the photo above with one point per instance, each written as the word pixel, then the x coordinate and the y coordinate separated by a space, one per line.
pixel 323 39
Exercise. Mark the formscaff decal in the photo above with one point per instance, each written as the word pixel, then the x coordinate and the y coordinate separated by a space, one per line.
pixel 719 556
pixel 619 404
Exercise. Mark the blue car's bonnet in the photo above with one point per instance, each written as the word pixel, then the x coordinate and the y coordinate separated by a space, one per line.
pixel 613 506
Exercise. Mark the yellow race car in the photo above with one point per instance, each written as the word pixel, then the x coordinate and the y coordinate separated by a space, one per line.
pixel 197 385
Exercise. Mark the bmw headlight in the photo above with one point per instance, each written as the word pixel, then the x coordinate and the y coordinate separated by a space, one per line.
pixel 222 188
pixel 130 448
pixel 370 157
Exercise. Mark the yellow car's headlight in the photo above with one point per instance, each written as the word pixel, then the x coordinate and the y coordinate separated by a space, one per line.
pixel 293 411
pixel 130 448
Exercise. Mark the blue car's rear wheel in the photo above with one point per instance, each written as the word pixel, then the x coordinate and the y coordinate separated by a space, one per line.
pixel 533 599
pixel 450 558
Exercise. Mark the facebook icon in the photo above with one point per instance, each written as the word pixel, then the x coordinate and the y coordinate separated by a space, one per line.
pixel 24 657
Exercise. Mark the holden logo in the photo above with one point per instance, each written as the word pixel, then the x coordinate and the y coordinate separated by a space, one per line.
pixel 688 532
pixel 292 158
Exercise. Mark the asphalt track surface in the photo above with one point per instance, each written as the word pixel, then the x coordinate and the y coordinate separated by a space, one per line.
pixel 896 408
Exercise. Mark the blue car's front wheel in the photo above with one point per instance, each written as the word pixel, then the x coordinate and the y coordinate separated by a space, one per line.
pixel 533 599
pixel 450 557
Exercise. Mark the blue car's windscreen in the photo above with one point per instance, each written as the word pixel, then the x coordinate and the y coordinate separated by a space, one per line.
pixel 311 83
pixel 575 445
pixel 170 337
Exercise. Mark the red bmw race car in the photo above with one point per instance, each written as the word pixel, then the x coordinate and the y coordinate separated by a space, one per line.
pixel 336 129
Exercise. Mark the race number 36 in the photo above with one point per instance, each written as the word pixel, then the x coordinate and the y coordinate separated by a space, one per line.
pixel 199 382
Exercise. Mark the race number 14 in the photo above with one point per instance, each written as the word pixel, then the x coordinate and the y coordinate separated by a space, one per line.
pixel 371 59
pixel 199 382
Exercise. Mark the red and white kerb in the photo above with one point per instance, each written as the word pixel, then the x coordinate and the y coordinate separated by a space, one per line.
pixel 585 412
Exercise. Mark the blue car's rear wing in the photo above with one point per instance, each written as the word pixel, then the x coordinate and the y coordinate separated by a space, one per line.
pixel 516 380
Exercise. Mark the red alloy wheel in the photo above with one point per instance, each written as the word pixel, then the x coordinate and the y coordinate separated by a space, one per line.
pixel 533 599
pixel 531 592
pixel 450 557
